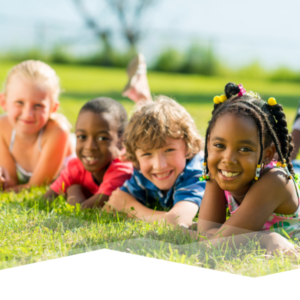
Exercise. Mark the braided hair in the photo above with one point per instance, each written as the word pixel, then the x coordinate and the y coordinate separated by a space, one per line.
pixel 270 120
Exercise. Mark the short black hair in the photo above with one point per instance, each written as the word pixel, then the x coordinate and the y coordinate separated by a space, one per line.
pixel 108 105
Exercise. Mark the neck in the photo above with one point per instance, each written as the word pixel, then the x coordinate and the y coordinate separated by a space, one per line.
pixel 240 194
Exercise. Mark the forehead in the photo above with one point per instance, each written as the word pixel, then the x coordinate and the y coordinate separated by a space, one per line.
pixel 88 120
pixel 168 142
pixel 19 86
pixel 233 126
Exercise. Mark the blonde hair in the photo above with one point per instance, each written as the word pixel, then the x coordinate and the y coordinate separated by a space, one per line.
pixel 153 122
pixel 37 71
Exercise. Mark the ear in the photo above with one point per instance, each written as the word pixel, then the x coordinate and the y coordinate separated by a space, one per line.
pixel 269 154
pixel 55 107
pixel 3 101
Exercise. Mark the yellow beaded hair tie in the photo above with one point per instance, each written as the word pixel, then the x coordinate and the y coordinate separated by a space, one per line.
pixel 272 101
pixel 220 99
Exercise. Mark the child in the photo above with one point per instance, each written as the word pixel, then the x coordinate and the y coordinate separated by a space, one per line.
pixel 90 178
pixel 34 142
pixel 242 137
pixel 162 142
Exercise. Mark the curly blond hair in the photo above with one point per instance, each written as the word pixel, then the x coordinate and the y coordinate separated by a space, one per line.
pixel 37 71
pixel 153 122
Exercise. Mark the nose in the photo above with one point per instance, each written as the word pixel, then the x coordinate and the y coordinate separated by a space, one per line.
pixel 229 156
pixel 90 144
pixel 159 161
pixel 28 111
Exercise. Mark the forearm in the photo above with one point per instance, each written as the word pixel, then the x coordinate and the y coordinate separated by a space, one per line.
pixel 97 200
pixel 75 195
pixel 50 195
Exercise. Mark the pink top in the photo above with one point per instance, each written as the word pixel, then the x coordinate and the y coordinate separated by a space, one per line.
pixel 276 222
pixel 117 173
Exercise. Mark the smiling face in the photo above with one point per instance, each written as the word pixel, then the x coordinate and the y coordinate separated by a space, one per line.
pixel 233 153
pixel 28 105
pixel 97 141
pixel 162 166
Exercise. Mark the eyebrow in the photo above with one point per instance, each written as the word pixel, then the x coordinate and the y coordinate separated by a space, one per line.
pixel 248 142
pixel 103 131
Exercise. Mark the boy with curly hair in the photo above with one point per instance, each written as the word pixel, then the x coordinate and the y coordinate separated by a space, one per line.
pixel 164 146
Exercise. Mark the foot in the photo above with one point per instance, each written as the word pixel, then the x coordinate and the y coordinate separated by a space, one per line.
pixel 137 88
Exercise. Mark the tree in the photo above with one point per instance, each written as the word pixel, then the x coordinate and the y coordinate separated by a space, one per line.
pixel 129 13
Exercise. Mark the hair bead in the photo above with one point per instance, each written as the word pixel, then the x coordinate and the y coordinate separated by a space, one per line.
pixel 217 99
pixel 272 101
pixel 223 98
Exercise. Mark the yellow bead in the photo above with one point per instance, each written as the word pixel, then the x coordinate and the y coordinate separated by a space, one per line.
pixel 283 165
pixel 204 164
pixel 256 178
pixel 223 98
pixel 217 99
pixel 204 176
pixel 278 164
pixel 258 166
pixel 272 101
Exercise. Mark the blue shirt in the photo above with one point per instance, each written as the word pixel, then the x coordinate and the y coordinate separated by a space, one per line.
pixel 187 186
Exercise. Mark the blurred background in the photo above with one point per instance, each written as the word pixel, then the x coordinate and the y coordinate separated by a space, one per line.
pixel 192 47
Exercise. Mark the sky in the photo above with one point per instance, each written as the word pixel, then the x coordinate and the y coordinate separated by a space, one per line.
pixel 240 32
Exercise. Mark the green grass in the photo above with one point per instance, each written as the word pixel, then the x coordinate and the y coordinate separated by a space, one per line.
pixel 32 231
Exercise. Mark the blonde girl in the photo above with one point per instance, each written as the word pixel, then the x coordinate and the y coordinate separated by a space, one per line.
pixel 34 141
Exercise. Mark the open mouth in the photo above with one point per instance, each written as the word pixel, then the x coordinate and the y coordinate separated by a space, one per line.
pixel 162 176
pixel 90 160
pixel 229 175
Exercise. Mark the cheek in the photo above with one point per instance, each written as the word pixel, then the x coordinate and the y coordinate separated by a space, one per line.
pixel 145 166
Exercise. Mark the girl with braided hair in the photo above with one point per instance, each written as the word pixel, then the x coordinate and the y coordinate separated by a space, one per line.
pixel 242 138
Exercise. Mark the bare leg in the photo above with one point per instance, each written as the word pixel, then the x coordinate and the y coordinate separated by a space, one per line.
pixel 137 88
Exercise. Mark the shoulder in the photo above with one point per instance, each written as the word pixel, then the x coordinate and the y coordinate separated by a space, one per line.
pixel 75 163
pixel 5 128
pixel 54 130
pixel 273 186
pixel 119 165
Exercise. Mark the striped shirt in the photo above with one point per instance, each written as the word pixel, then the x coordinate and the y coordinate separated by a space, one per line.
pixel 187 186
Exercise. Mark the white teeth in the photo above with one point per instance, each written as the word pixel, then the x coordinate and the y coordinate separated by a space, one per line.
pixel 163 175
pixel 229 174
pixel 90 158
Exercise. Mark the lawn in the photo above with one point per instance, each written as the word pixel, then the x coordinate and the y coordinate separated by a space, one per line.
pixel 32 231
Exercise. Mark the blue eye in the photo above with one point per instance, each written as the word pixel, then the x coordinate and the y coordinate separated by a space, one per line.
pixel 146 154
pixel 170 150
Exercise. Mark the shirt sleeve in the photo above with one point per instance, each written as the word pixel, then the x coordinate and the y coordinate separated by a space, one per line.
pixel 65 179
pixel 135 188
pixel 190 190
pixel 60 185
pixel 115 176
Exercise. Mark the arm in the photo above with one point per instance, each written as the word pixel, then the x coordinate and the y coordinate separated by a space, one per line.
pixel 52 155
pixel 50 195
pixel 296 140
pixel 212 212
pixel 124 202
pixel 6 159
pixel 97 200
pixel 75 194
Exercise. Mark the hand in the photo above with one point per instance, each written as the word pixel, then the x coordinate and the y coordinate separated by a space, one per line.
pixel 4 178
pixel 277 245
